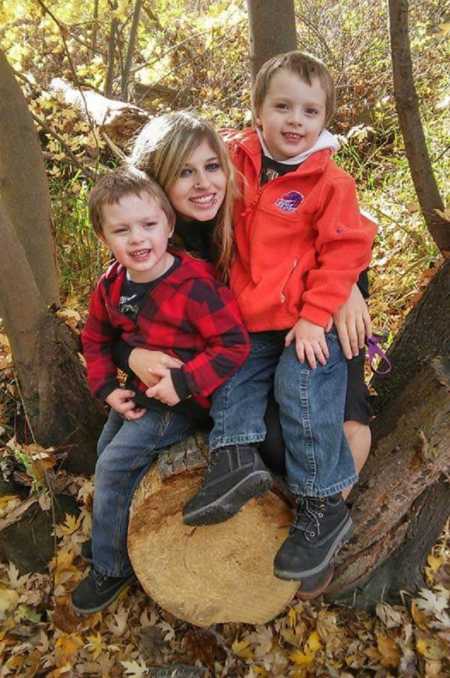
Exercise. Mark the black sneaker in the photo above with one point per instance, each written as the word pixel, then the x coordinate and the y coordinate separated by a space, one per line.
pixel 321 526
pixel 98 591
pixel 235 474
pixel 86 551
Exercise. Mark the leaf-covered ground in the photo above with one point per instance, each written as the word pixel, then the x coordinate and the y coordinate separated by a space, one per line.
pixel 42 636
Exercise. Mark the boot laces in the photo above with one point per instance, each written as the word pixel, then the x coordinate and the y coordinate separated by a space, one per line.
pixel 310 512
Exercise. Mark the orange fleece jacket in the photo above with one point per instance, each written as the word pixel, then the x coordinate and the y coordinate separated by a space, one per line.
pixel 301 240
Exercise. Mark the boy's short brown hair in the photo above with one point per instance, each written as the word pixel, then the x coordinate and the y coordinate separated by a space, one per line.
pixel 306 67
pixel 126 180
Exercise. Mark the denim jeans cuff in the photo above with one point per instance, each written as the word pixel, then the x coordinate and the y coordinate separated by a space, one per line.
pixel 241 439
pixel 113 573
pixel 308 491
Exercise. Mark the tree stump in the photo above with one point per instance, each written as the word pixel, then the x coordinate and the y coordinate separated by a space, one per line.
pixel 210 574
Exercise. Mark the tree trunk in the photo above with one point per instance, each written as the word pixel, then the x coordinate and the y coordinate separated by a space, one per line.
pixel 111 51
pixel 60 410
pixel 23 184
pixel 130 49
pixel 213 574
pixel 411 126
pixel 402 502
pixel 94 28
pixel 271 30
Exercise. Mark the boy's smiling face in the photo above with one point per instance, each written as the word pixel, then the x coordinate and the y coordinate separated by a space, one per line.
pixel 137 231
pixel 292 114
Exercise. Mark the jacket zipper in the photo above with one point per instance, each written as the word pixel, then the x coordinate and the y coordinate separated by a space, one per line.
pixel 291 272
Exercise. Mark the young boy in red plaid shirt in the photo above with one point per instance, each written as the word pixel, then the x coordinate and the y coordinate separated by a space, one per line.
pixel 152 298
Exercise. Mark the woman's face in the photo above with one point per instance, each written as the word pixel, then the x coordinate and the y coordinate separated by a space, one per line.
pixel 199 191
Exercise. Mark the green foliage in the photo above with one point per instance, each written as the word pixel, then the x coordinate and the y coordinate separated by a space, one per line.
pixel 81 258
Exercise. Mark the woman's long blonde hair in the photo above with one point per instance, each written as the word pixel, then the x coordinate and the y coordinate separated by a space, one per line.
pixel 162 148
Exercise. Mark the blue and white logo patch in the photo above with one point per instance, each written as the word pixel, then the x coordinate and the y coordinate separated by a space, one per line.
pixel 290 201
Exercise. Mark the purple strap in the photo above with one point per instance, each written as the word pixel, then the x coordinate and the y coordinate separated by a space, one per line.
pixel 374 349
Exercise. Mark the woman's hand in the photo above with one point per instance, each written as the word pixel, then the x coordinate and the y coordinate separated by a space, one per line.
pixel 164 390
pixel 353 324
pixel 144 362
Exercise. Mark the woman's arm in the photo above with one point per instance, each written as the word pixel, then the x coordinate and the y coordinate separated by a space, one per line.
pixel 142 361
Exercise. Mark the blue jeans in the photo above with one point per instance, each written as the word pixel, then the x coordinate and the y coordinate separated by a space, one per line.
pixel 126 450
pixel 318 459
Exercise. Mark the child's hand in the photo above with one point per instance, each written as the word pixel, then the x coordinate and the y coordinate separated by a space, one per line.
pixel 121 400
pixel 353 324
pixel 164 390
pixel 144 362
pixel 310 342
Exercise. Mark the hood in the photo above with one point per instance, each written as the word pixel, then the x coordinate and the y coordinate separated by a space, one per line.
pixel 326 140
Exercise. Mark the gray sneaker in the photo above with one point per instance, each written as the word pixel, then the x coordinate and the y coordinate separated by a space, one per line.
pixel 321 527
pixel 235 474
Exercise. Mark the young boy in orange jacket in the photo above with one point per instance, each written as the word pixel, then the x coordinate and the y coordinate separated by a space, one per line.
pixel 301 244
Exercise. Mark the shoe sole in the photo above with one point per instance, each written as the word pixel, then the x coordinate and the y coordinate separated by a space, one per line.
pixel 99 608
pixel 310 595
pixel 230 503
pixel 340 540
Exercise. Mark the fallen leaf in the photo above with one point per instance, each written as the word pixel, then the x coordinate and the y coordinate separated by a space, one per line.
pixel 389 650
pixel 135 669
pixel 242 649
pixel 390 617
pixel 8 601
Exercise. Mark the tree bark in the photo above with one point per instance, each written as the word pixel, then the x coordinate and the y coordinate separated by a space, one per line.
pixel 111 51
pixel 130 49
pixel 206 575
pixel 59 408
pixel 411 126
pixel 402 501
pixel 271 30
pixel 94 28
pixel 23 184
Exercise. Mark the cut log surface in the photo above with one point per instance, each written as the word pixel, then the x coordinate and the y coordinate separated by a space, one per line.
pixel 211 574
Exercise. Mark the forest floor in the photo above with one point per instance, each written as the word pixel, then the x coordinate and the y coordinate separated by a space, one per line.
pixel 42 636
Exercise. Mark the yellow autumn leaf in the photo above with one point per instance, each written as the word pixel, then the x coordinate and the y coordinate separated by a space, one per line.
pixel 432 566
pixel 95 645
pixel 4 501
pixel 242 649
pixel 8 601
pixel 302 658
pixel 389 650
pixel 66 647
pixel 70 524
pixel 419 616
pixel 292 617
pixel 444 29
pixel 431 648
pixel 313 643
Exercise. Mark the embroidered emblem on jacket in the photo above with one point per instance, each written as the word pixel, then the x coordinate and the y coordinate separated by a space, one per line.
pixel 290 201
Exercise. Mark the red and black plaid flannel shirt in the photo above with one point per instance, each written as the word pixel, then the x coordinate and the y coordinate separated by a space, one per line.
pixel 188 314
